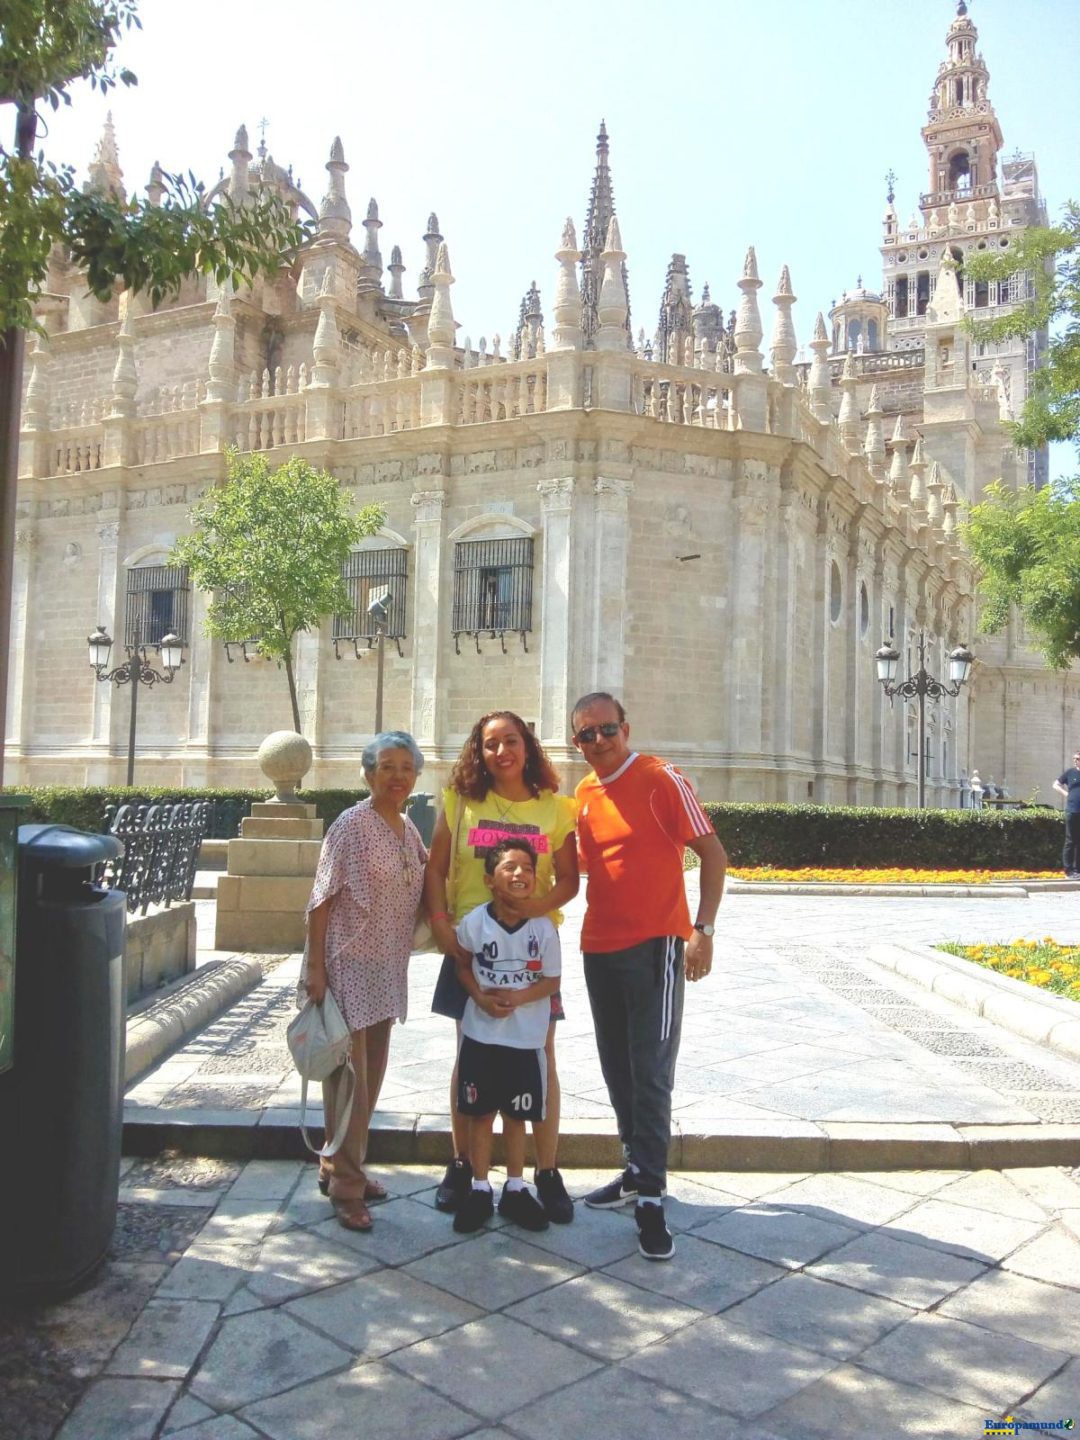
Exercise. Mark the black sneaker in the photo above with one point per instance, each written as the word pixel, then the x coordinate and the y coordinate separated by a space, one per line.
pixel 522 1207
pixel 455 1186
pixel 477 1207
pixel 621 1191
pixel 551 1192
pixel 654 1238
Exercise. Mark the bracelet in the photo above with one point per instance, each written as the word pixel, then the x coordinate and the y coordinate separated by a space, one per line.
pixel 440 915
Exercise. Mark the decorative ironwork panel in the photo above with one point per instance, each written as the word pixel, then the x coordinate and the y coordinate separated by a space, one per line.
pixel 366 572
pixel 161 851
pixel 493 586
pixel 157 604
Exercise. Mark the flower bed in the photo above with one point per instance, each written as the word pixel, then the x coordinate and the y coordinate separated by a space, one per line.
pixel 893 875
pixel 1043 962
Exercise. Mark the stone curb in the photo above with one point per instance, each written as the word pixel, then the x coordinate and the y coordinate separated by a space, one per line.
pixel 1049 1020
pixel 185 1006
pixel 941 892
pixel 785 1146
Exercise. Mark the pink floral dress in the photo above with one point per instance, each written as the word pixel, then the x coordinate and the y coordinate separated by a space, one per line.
pixel 374 879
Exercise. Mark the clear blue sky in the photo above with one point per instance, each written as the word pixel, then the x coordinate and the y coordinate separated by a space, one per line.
pixel 731 123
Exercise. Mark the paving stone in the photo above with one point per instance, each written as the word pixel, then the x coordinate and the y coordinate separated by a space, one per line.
pixel 595 1237
pixel 963 1361
pixel 819 1316
pixel 963 1230
pixel 1014 1305
pixel 254 1356
pixel 613 1403
pixel 989 1190
pixel 186 1411
pixel 221 1427
pixel 266 1180
pixel 495 1270
pixel 382 1312
pixel 1049 1186
pixel 165 1340
pixel 208 1275
pixel 119 1409
pixel 1056 1398
pixel 748 1184
pixel 239 1222
pixel 690 1204
pixel 1054 1256
pixel 912 1182
pixel 403 1231
pixel 739 1370
pixel 291 1263
pixel 844 1198
pixel 915 1275
pixel 782 1236
pixel 368 1400
pixel 704 1275
pixel 851 1401
pixel 604 1315
pixel 462 1365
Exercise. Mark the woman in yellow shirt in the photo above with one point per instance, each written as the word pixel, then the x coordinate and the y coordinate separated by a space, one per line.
pixel 503 784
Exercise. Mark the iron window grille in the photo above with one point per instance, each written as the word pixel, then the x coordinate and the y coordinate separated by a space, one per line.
pixel 492 589
pixel 157 604
pixel 367 573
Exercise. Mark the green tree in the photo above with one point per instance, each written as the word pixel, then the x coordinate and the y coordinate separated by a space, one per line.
pixel 1026 543
pixel 1051 258
pixel 270 544
pixel 45 45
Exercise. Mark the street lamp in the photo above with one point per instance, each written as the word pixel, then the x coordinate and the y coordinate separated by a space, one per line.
pixel 379 610
pixel 135 671
pixel 919 686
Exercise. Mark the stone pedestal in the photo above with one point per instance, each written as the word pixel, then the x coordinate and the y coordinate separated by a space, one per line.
pixel 262 899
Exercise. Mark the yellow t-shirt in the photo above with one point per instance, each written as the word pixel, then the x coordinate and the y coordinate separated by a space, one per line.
pixel 544 822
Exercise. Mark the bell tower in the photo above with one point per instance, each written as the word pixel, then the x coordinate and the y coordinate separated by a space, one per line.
pixel 962 134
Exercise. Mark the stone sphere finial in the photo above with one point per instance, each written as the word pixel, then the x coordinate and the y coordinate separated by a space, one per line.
pixel 284 758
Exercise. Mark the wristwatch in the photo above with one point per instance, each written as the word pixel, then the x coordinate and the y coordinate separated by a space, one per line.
pixel 707 930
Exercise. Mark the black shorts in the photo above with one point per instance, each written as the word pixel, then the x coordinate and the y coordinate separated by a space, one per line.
pixel 501 1077
pixel 450 995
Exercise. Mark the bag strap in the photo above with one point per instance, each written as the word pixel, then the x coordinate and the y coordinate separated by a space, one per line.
pixel 332 1146
pixel 455 846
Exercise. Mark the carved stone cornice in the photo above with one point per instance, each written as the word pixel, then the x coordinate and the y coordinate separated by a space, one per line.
pixel 556 496
pixel 428 505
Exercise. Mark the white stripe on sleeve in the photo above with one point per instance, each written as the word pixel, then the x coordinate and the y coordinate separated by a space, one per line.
pixel 699 821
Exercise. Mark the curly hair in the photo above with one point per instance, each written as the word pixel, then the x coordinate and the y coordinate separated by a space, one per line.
pixel 470 777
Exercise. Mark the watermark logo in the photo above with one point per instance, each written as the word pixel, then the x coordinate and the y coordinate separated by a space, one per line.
pixel 1010 1426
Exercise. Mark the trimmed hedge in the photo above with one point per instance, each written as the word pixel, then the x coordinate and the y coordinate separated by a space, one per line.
pixel 787 835
pixel 793 835
pixel 84 807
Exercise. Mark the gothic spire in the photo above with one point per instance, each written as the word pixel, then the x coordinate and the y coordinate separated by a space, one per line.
pixel 600 213
pixel 104 170
pixel 335 217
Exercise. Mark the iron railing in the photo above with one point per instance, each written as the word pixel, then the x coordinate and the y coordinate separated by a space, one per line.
pixel 157 604
pixel 366 572
pixel 161 851
pixel 492 587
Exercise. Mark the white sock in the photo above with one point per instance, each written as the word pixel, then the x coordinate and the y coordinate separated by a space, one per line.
pixel 649 1200
pixel 515 1182
pixel 482 1185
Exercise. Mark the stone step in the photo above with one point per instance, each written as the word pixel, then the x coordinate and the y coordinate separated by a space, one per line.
pixel 259 930
pixel 270 809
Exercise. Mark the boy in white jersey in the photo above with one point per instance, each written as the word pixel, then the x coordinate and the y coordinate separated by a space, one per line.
pixel 513 970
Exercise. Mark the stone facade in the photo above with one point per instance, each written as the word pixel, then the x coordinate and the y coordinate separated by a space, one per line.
pixel 722 541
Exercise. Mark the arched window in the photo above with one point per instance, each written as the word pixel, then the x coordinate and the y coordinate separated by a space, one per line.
pixel 922 291
pixel 960 172
pixel 900 305
pixel 156 604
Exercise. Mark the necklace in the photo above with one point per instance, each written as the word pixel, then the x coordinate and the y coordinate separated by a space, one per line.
pixel 503 811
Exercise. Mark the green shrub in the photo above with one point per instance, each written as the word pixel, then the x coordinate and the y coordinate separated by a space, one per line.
pixel 793 835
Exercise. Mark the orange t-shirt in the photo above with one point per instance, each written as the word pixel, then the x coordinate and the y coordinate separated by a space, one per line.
pixel 632 830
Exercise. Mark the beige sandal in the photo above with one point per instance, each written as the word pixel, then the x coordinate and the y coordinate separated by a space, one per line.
pixel 352 1214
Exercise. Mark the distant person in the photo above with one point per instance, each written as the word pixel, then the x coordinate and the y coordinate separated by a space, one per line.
pixel 512 971
pixel 360 923
pixel 1068 784
pixel 636 815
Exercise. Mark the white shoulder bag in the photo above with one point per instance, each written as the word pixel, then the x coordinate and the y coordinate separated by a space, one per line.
pixel 318 1039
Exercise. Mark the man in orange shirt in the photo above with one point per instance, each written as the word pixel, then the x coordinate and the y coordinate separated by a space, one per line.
pixel 636 815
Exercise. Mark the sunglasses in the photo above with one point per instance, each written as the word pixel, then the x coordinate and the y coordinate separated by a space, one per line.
pixel 587 736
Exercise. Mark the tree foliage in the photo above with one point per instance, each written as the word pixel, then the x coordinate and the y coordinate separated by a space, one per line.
pixel 1051 258
pixel 46 45
pixel 269 544
pixel 1026 543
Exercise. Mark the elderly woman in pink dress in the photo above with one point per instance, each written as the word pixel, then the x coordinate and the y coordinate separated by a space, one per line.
pixel 360 923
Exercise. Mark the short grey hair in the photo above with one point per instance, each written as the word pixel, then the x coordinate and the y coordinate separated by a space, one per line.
pixel 390 740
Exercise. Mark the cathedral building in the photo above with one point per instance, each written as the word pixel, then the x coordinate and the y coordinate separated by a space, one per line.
pixel 712 523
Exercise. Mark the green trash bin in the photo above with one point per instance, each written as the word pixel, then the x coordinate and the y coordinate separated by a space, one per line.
pixel 61 1104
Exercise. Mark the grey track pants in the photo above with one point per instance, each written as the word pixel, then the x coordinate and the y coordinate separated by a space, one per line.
pixel 637 1003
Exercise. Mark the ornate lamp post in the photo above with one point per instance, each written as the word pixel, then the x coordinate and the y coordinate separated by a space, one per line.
pixel 919 686
pixel 135 671
pixel 379 610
